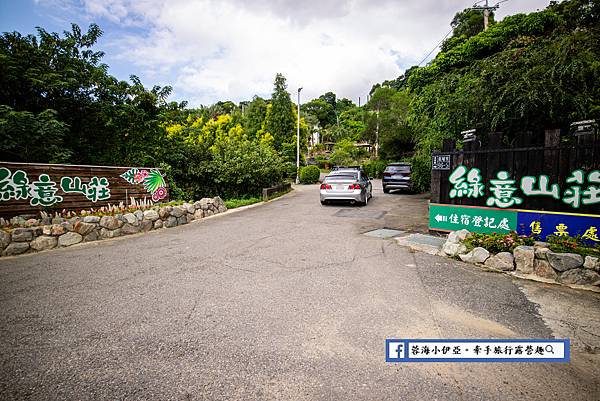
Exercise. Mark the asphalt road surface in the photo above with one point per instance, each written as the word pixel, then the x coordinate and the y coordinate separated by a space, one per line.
pixel 289 301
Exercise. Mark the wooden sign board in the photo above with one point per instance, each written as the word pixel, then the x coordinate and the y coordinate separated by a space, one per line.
pixel 27 188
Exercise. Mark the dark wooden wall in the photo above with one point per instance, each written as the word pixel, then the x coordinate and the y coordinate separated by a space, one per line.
pixel 120 189
pixel 552 159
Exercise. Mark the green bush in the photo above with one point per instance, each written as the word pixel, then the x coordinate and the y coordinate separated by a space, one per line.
pixel 421 172
pixel 496 243
pixel 374 168
pixel 567 244
pixel 309 174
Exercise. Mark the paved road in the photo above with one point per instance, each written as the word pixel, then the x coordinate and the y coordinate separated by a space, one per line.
pixel 286 301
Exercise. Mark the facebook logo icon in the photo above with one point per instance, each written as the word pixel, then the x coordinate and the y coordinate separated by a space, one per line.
pixel 395 350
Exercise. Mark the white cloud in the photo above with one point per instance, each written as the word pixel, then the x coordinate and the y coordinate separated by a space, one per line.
pixel 232 49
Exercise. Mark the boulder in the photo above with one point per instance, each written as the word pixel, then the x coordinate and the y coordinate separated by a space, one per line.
pixel 4 239
pixel 171 222
pixel 44 242
pixel 218 201
pixel 204 203
pixel 146 225
pixel 189 208
pixel 83 228
pixel 158 224
pixel 198 214
pixel 524 256
pixel 177 212
pixel 70 238
pixel 92 236
pixel 91 219
pixel 164 212
pixel 131 219
pixel 37 231
pixel 580 276
pixel 222 209
pixel 58 229
pixel 502 261
pixel 139 215
pixel 110 222
pixel 564 261
pixel 16 248
pixel 197 205
pixel 21 235
pixel 130 229
pixel 542 268
pixel 106 233
pixel 541 253
pixel 209 212
pixel 458 236
pixel 477 255
pixel 150 215
pixel 592 263
pixel 182 220
pixel 449 248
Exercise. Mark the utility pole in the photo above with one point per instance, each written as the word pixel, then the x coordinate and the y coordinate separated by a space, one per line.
pixel 486 11
pixel 377 134
pixel 298 142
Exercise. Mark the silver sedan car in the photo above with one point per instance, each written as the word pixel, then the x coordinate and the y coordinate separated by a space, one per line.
pixel 346 185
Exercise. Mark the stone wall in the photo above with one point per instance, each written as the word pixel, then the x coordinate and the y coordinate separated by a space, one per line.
pixel 535 262
pixel 47 233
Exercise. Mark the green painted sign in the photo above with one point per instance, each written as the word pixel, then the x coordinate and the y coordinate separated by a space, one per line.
pixel 474 219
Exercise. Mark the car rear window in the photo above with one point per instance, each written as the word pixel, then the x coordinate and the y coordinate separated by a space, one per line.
pixel 395 169
pixel 341 177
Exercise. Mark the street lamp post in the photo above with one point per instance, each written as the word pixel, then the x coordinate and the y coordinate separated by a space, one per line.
pixel 298 142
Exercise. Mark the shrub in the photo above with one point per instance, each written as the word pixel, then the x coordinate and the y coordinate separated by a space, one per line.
pixel 496 243
pixel 374 168
pixel 567 244
pixel 309 174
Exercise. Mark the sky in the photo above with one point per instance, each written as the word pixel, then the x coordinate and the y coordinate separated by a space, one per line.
pixel 231 49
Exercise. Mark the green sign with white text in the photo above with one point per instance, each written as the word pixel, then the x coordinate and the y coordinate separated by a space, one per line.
pixel 474 219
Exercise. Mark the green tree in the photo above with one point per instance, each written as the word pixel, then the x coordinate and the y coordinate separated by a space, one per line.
pixel 279 119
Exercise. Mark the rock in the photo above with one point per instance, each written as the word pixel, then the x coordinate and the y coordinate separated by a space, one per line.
pixel 83 228
pixel 189 208
pixel 171 222
pixel 131 219
pixel 543 269
pixel 524 256
pixel 218 201
pixel 197 205
pixel 564 261
pixel 31 222
pixel 91 219
pixel 44 242
pixel 67 226
pixel 502 261
pixel 222 209
pixel 182 220
pixel 541 253
pixel 198 214
pixel 106 233
pixel 110 222
pixel 70 238
pixel 477 255
pixel 190 218
pixel 158 224
pixel 204 203
pixel 164 212
pixel 449 248
pixel 21 235
pixel 130 229
pixel 146 225
pixel 151 215
pixel 16 248
pixel 540 244
pixel 209 212
pixel 37 231
pixel 92 236
pixel 4 239
pixel 177 212
pixel 592 263
pixel 458 236
pixel 580 276
pixel 139 215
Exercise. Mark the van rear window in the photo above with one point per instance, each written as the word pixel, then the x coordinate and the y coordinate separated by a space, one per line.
pixel 396 169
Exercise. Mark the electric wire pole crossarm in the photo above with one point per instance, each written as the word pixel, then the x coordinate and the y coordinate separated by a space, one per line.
pixel 486 10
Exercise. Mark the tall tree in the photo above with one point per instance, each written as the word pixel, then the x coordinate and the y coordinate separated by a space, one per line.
pixel 280 119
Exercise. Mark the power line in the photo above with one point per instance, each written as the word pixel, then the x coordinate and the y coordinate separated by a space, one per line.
pixel 436 46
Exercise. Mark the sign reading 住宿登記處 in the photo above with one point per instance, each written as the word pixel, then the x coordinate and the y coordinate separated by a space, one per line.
pixel 538 224
pixel 27 188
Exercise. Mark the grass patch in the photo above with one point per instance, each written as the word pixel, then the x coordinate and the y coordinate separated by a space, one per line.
pixel 235 203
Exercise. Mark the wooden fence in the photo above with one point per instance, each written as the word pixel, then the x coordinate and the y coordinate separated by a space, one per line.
pixel 27 188
pixel 556 161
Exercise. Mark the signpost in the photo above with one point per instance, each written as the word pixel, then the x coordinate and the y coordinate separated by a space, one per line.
pixel 440 162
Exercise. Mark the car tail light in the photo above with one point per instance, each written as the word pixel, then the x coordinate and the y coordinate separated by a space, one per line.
pixel 354 186
pixel 325 186
pixel 387 174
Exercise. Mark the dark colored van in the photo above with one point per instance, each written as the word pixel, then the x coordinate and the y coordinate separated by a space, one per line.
pixel 397 176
